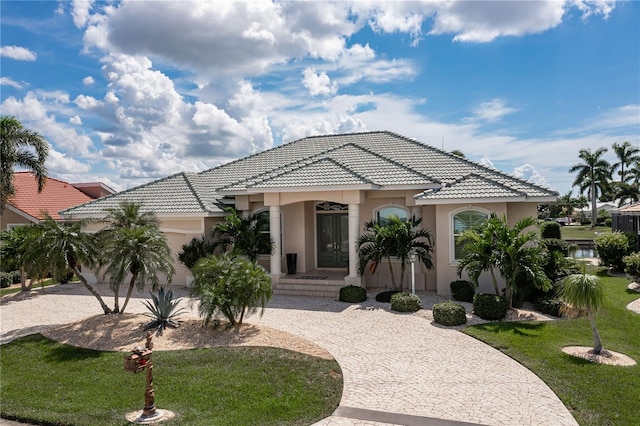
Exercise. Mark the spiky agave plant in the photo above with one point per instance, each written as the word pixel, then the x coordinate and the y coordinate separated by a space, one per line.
pixel 163 310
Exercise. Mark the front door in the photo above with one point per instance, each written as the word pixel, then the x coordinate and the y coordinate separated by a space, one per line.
pixel 333 240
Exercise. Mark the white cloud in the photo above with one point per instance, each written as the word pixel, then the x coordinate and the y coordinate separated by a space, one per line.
pixel 318 83
pixel 594 7
pixel 493 110
pixel 80 11
pixel 487 163
pixel 75 120
pixel 88 81
pixel 58 162
pixel 627 115
pixel 529 173
pixel 7 81
pixel 18 53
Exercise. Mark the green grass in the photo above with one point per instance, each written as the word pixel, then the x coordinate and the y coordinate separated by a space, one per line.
pixel 582 232
pixel 46 382
pixel 596 394
pixel 11 290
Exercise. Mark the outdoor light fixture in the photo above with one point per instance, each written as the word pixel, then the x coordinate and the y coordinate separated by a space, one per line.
pixel 412 259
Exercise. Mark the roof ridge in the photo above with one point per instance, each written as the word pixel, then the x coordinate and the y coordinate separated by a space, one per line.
pixel 187 177
pixel 135 188
pixel 487 179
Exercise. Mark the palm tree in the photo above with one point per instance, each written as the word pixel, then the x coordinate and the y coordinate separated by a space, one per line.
pixel 245 235
pixel 395 239
pixel 16 145
pixel 594 173
pixel 583 291
pixel 60 247
pixel 627 154
pixel 143 252
pixel 627 193
pixel 634 173
pixel 119 220
pixel 513 251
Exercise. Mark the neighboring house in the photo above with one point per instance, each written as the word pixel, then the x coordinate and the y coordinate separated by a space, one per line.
pixel 627 219
pixel 319 191
pixel 607 207
pixel 28 205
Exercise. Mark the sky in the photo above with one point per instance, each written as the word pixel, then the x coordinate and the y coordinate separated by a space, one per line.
pixel 131 91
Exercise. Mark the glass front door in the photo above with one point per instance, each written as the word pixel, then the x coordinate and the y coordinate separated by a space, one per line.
pixel 333 240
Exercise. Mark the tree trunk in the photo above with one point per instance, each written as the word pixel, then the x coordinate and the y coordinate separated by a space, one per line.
pixel 597 343
pixel 116 297
pixel 92 290
pixel 393 278
pixel 594 208
pixel 23 280
pixel 131 284
pixel 495 282
pixel 402 269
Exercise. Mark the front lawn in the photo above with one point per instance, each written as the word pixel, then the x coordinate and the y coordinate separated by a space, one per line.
pixel 46 382
pixel 595 394
pixel 582 232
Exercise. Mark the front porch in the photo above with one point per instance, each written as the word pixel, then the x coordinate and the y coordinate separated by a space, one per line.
pixel 315 283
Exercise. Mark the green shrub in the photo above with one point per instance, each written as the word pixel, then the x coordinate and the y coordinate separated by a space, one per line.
pixel 490 306
pixel 449 313
pixel 549 306
pixel 632 266
pixel 405 302
pixel 385 296
pixel 462 290
pixel 550 230
pixel 611 248
pixel 607 222
pixel 6 279
pixel 353 294
pixel 633 241
pixel 195 250
pixel 555 244
pixel 231 286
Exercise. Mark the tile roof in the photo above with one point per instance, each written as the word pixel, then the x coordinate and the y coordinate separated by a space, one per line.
pixel 55 196
pixel 382 159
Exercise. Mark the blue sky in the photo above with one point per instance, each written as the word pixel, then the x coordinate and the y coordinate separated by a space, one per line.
pixel 127 92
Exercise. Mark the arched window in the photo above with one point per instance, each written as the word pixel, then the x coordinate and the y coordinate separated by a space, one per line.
pixel 383 214
pixel 462 221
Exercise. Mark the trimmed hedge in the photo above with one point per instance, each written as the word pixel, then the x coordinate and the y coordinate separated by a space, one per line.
pixel 611 248
pixel 449 313
pixel 490 306
pixel 550 230
pixel 385 296
pixel 8 278
pixel 549 306
pixel 632 266
pixel 462 290
pixel 353 294
pixel 405 302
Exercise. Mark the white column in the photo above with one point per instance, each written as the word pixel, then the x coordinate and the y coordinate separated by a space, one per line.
pixel 274 232
pixel 354 234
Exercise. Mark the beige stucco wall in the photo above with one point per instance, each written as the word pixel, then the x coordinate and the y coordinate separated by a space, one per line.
pixel 9 217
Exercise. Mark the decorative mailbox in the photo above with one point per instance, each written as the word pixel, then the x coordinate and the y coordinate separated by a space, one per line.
pixel 138 360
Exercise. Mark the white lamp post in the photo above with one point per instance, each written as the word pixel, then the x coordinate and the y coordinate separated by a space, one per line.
pixel 412 259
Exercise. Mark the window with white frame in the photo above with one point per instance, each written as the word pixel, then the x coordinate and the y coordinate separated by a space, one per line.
pixel 462 221
pixel 383 214
pixel 265 227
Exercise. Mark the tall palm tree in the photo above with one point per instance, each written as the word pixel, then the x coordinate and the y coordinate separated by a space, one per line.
pixel 143 252
pixel 634 172
pixel 594 173
pixel 627 193
pixel 60 247
pixel 17 146
pixel 126 216
pixel 627 154
pixel 244 235
pixel 583 291
pixel 395 239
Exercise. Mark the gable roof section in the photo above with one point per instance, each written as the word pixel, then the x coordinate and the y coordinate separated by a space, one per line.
pixel 55 196
pixel 384 160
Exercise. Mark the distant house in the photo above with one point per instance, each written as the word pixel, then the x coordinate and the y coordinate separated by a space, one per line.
pixel 627 219
pixel 319 191
pixel 28 205
pixel 606 206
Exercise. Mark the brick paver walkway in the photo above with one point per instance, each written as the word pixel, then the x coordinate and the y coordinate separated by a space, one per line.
pixel 398 368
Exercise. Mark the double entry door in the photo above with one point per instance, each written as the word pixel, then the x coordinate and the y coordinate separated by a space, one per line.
pixel 333 240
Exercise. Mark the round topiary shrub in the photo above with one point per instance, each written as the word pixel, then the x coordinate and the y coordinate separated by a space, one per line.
pixel 550 230
pixel 490 306
pixel 405 302
pixel 632 266
pixel 462 290
pixel 385 296
pixel 611 248
pixel 449 313
pixel 353 294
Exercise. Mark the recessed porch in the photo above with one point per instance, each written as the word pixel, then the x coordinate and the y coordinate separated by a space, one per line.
pixel 316 283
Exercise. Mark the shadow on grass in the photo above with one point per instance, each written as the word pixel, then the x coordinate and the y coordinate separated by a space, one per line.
pixel 518 328
pixel 65 353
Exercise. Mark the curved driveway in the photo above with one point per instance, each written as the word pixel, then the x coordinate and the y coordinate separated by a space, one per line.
pixel 398 368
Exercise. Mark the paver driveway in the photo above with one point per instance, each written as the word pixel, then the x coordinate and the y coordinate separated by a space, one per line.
pixel 398 368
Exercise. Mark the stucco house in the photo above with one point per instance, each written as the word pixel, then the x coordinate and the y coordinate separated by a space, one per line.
pixel 28 205
pixel 318 192
pixel 627 219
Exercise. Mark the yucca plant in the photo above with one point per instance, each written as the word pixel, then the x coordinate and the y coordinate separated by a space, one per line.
pixel 163 310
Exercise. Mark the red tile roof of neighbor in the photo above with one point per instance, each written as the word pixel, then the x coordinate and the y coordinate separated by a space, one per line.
pixel 56 195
